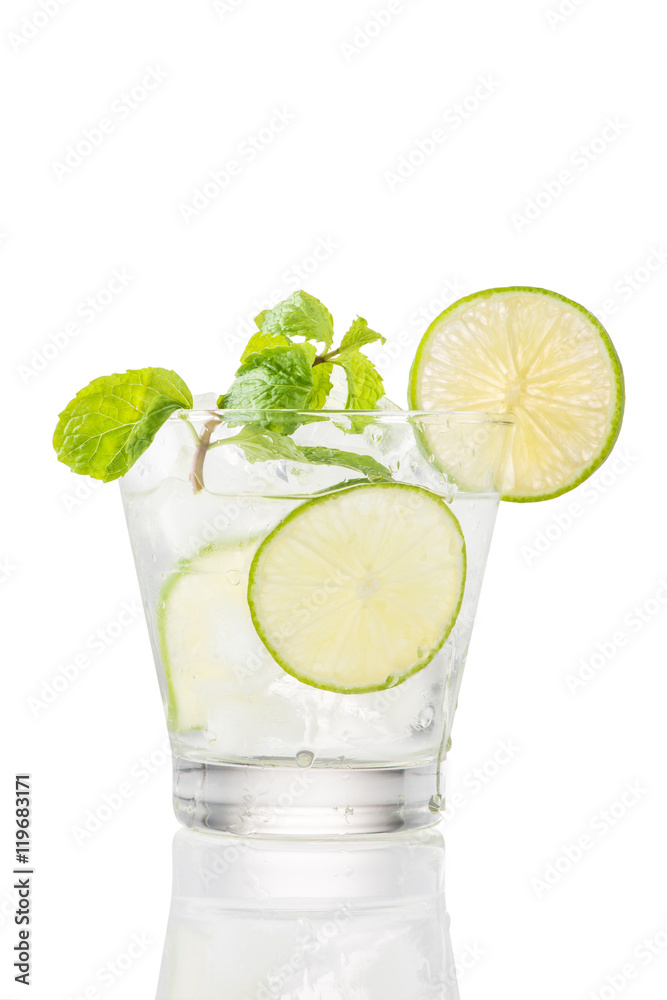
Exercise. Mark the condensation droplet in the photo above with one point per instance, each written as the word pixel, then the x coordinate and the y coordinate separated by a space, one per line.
pixel 425 717
pixel 305 758
pixel 234 577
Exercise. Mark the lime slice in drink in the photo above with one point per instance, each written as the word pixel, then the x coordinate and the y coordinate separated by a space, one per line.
pixel 533 354
pixel 357 590
pixel 203 627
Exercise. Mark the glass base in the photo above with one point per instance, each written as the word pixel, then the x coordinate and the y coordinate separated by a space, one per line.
pixel 277 801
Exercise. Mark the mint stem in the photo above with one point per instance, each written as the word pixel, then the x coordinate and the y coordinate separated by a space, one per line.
pixel 197 474
pixel 322 358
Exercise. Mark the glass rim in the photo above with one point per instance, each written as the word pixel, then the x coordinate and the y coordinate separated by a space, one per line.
pixel 464 416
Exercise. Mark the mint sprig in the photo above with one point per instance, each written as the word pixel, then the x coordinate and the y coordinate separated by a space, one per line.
pixel 112 421
pixel 274 367
pixel 286 367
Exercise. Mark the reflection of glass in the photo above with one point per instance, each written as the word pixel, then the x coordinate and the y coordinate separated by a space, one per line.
pixel 255 919
pixel 256 749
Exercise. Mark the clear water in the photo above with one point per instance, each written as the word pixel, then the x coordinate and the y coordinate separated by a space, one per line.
pixel 253 711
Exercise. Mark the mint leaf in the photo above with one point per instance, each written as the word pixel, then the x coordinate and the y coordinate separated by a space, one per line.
pixel 300 315
pixel 262 445
pixel 375 471
pixel 278 378
pixel 322 385
pixel 142 434
pixel 110 423
pixel 364 383
pixel 358 335
pixel 260 341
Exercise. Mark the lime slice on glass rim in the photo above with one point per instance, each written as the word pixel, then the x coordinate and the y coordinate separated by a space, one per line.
pixel 202 616
pixel 358 590
pixel 536 355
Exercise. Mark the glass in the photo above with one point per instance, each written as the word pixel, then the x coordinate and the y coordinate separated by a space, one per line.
pixel 255 919
pixel 257 751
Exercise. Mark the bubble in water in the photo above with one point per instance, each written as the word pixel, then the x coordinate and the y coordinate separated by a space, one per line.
pixel 305 758
pixel 234 577
pixel 423 651
pixel 392 680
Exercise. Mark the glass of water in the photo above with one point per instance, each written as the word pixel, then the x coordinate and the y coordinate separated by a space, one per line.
pixel 310 582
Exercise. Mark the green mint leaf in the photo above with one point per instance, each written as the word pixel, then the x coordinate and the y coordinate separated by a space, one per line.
pixel 300 315
pixel 109 424
pixel 260 341
pixel 259 444
pixel 278 378
pixel 322 385
pixel 375 471
pixel 358 335
pixel 364 383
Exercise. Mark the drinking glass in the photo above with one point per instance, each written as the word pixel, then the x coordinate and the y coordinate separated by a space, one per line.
pixel 256 750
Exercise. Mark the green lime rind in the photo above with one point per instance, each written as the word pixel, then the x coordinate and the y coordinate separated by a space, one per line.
pixel 615 364
pixel 161 617
pixel 254 586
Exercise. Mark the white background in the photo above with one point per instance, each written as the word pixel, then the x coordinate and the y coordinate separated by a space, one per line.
pixel 520 94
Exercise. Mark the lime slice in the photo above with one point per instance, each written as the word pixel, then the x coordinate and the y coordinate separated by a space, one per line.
pixel 538 356
pixel 358 590
pixel 203 627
